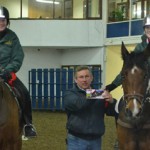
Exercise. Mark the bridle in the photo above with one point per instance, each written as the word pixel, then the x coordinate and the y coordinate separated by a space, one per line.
pixel 139 97
pixel 142 99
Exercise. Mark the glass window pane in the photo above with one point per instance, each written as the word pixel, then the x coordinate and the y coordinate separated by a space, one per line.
pixel 93 8
pixel 140 8
pixel 118 10
pixel 40 9
pixel 12 5
pixel 25 8
pixel 145 8
pixel 59 9
pixel 49 9
pixel 147 5
pixel 68 10
pixel 78 8
pixel 136 9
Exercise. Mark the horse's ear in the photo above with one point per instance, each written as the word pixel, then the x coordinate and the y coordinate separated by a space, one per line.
pixel 147 51
pixel 124 51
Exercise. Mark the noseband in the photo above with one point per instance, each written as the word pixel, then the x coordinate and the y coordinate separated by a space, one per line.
pixel 139 97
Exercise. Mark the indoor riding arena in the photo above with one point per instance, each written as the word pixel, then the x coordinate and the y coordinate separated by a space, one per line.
pixel 57 36
pixel 51 130
pixel 49 116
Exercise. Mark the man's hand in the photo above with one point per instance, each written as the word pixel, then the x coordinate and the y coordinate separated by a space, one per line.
pixel 107 96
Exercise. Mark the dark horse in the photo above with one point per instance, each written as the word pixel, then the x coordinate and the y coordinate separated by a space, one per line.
pixel 10 126
pixel 133 128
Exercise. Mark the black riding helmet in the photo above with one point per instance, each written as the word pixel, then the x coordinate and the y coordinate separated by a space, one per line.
pixel 4 13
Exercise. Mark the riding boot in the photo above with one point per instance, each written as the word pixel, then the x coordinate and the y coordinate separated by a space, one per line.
pixel 29 130
pixel 25 103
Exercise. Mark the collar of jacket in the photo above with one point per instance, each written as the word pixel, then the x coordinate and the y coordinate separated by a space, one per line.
pixel 3 33
pixel 78 88
pixel 144 38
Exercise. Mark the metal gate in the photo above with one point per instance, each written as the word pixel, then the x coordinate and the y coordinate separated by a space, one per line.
pixel 47 86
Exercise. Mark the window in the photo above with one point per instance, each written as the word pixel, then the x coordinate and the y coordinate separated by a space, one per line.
pixel 118 10
pixel 140 8
pixel 68 10
pixel 54 9
pixel 91 9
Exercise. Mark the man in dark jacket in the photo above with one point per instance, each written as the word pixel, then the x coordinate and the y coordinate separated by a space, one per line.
pixel 85 123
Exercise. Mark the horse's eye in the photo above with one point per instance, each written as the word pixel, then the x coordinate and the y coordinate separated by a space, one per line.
pixel 145 76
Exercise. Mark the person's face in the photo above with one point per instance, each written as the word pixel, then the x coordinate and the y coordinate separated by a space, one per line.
pixel 3 24
pixel 84 79
pixel 147 31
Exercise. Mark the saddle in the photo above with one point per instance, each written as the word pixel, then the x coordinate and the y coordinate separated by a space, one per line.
pixel 15 93
pixel 119 105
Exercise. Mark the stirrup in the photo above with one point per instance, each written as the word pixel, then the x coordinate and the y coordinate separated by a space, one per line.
pixel 24 129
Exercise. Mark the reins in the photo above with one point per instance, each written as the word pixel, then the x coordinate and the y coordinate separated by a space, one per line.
pixel 137 96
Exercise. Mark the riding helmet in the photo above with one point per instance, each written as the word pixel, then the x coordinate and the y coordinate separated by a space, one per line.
pixel 4 13
pixel 146 21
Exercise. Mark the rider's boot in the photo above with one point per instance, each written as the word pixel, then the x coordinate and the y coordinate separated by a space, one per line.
pixel 29 129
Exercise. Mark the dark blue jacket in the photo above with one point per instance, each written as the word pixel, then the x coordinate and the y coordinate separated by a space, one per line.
pixel 86 117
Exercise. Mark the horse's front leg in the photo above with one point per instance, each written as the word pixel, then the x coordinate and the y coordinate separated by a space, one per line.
pixel 126 138
pixel 144 139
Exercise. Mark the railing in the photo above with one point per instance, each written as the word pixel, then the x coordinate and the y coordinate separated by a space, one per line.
pixel 47 86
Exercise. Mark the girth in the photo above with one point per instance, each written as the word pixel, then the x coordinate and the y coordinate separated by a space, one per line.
pixel 127 125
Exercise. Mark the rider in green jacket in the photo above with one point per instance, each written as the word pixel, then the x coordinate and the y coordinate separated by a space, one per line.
pixel 6 43
pixel 11 58
pixel 140 47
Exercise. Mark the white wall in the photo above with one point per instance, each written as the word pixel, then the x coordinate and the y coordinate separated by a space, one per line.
pixel 83 56
pixel 53 58
pixel 79 41
pixel 59 33
pixel 35 58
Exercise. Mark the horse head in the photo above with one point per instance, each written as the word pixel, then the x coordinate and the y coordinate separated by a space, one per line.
pixel 135 80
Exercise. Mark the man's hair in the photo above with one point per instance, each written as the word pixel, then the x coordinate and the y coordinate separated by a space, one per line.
pixel 80 68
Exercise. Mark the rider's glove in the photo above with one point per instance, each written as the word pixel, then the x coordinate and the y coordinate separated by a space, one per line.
pixel 5 75
pixel 110 87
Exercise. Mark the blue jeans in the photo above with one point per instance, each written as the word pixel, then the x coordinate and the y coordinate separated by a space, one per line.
pixel 75 143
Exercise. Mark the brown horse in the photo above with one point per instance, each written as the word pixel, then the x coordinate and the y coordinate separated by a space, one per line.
pixel 133 128
pixel 10 123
